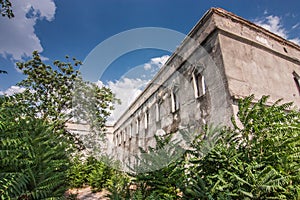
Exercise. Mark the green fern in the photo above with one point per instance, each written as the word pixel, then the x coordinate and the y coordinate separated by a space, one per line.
pixel 259 160
pixel 33 156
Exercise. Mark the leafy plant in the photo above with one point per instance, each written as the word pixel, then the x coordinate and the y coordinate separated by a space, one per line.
pixel 33 155
pixel 5 8
pixel 160 170
pixel 100 175
pixel 257 160
pixel 78 173
pixel 118 185
pixel 59 92
pixel 97 173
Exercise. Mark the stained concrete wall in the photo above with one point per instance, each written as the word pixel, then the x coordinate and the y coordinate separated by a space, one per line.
pixel 250 69
pixel 176 78
pixel 236 58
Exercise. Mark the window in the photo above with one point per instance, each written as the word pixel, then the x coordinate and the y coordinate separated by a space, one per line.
pixel 146 119
pixel 116 140
pixel 130 131
pixel 121 137
pixel 137 123
pixel 297 80
pixel 174 99
pixel 198 84
pixel 157 112
pixel 124 135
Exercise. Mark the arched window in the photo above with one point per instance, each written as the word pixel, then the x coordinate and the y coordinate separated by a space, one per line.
pixel 137 126
pixel 174 98
pixel 119 139
pixel 157 112
pixel 116 140
pixel 198 84
pixel 146 119
pixel 124 135
pixel 297 80
pixel 130 130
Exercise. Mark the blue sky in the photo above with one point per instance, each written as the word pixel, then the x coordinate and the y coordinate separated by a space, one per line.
pixel 72 27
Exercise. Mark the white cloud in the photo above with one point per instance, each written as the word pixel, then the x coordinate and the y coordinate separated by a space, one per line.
pixel 147 66
pixel 160 61
pixel 295 26
pixel 127 90
pixel 131 85
pixel 18 38
pixel 275 25
pixel 296 40
pixel 12 90
pixel 157 62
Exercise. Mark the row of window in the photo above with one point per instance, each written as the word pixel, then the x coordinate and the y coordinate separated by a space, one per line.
pixel 199 90
pixel 199 87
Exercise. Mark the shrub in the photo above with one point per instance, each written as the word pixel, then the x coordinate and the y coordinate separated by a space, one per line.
pixel 259 160
pixel 33 156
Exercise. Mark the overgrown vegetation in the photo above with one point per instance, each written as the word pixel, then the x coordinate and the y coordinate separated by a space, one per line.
pixel 93 172
pixel 256 158
pixel 35 147
pixel 33 155
pixel 259 159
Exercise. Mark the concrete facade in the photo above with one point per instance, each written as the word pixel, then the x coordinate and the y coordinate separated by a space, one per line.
pixel 222 59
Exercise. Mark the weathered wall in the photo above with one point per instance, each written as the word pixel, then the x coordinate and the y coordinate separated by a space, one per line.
pixel 234 57
pixel 257 61
pixel 214 106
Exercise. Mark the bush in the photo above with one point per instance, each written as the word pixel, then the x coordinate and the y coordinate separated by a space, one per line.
pixel 33 156
pixel 258 160
pixel 93 172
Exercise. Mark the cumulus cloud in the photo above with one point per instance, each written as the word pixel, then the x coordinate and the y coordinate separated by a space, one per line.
pixel 18 38
pixel 127 90
pixel 274 24
pixel 157 62
pixel 12 90
pixel 131 84
pixel 160 61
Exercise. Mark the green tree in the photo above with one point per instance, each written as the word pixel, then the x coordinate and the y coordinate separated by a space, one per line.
pixel 34 144
pixel 59 94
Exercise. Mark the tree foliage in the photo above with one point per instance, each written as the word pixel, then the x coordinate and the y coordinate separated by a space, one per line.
pixel 34 144
pixel 257 160
pixel 160 169
pixel 5 8
pixel 58 92
pixel 33 155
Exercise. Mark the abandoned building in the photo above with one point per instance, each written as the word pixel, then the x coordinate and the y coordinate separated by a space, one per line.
pixel 222 59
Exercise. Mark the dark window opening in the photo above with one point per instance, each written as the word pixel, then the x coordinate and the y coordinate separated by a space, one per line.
pixel 297 80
